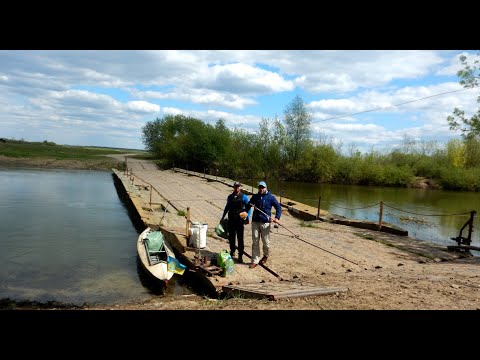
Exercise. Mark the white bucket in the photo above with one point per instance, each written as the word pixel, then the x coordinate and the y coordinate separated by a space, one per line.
pixel 198 235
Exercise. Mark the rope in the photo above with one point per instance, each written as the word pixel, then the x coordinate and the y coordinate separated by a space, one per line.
pixel 364 207
pixel 410 212
pixel 297 237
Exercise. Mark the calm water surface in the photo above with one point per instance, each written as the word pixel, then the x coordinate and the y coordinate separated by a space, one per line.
pixel 66 236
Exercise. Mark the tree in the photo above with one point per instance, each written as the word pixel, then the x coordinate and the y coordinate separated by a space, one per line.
pixel 297 119
pixel 470 76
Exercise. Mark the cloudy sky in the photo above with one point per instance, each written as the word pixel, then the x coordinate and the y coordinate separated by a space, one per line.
pixel 103 98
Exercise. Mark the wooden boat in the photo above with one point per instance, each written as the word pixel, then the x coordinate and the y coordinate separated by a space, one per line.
pixel 157 256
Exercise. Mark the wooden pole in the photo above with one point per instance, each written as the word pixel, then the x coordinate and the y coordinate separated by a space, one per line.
pixel 318 211
pixel 470 226
pixel 150 197
pixel 187 225
pixel 380 217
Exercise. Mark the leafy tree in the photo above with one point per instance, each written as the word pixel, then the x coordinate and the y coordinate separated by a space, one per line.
pixel 470 76
pixel 456 153
pixel 297 119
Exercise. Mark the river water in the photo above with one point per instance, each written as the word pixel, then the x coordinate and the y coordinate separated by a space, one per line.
pixel 66 236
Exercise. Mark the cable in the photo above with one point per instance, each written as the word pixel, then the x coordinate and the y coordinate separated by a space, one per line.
pixel 388 107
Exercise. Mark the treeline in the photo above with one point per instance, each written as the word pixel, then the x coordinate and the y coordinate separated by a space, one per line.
pixel 285 151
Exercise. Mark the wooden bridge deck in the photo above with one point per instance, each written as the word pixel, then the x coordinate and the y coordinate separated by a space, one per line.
pixel 174 191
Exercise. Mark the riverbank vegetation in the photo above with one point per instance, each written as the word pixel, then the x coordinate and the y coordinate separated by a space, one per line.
pixel 186 142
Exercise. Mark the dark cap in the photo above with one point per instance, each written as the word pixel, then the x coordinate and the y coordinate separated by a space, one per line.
pixel 236 183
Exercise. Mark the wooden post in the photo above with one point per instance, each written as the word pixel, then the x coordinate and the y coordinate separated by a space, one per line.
pixel 470 226
pixel 187 225
pixel 150 197
pixel 318 211
pixel 380 217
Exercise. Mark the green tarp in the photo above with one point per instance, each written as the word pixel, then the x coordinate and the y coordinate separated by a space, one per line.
pixel 154 241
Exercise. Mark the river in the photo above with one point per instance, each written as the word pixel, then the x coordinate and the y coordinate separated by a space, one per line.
pixel 66 236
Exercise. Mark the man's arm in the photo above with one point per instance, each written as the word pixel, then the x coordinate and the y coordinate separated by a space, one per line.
pixel 227 205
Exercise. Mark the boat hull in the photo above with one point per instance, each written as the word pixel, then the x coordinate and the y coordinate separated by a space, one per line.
pixel 159 270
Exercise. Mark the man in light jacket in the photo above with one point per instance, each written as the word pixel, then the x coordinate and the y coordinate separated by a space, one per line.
pixel 262 202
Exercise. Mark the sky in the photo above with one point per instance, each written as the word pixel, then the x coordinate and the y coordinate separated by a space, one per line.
pixel 105 97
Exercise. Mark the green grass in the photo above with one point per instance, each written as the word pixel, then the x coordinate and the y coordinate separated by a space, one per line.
pixel 307 224
pixel 181 213
pixel 22 149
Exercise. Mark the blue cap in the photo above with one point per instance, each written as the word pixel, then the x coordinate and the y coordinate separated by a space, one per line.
pixel 262 183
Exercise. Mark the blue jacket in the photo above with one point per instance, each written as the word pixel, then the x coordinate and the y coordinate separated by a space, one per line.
pixel 264 203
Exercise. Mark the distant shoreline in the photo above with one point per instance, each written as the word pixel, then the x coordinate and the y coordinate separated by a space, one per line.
pixel 102 163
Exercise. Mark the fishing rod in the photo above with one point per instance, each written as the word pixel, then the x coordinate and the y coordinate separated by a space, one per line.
pixel 297 237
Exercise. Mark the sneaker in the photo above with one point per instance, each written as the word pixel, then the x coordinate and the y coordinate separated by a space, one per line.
pixel 240 259
pixel 253 266
pixel 264 260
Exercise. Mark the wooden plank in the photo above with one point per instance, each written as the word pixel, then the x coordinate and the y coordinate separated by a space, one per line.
pixel 307 292
pixel 463 247
pixel 274 292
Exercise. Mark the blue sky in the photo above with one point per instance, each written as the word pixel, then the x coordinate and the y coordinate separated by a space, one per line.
pixel 103 98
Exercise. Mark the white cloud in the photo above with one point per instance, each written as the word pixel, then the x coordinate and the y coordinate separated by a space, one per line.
pixel 249 122
pixel 242 79
pixel 341 70
pixel 407 96
pixel 455 65
pixel 199 96
pixel 142 107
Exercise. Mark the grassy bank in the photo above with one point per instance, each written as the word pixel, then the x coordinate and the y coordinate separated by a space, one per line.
pixel 48 154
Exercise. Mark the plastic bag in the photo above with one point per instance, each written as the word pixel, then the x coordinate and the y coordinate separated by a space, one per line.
pixel 225 261
pixel 222 229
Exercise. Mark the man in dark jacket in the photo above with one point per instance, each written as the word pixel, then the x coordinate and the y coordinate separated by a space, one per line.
pixel 262 202
pixel 237 218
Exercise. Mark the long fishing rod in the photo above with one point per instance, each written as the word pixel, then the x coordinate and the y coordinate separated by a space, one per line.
pixel 297 237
